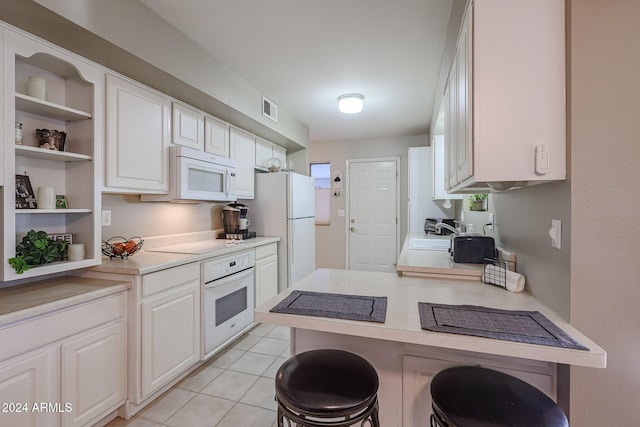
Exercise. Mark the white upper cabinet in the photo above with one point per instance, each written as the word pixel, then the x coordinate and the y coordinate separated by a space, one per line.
pixel 438 167
pixel 216 136
pixel 242 147
pixel 137 138
pixel 266 150
pixel 505 97
pixel 280 153
pixel 263 152
pixel 66 94
pixel 188 126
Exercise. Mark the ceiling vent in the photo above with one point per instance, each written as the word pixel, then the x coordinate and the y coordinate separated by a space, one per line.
pixel 270 109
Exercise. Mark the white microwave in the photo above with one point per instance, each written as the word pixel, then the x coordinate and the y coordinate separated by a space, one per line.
pixel 198 176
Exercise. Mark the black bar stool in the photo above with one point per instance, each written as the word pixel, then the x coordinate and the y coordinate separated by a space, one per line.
pixel 473 396
pixel 322 388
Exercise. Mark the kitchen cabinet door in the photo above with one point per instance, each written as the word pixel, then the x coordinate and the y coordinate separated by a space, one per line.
pixel 266 284
pixel 137 155
pixel 280 153
pixel 170 333
pixel 93 374
pixel 417 373
pixel 242 147
pixel 216 136
pixel 28 380
pixel 496 103
pixel 188 126
pixel 264 151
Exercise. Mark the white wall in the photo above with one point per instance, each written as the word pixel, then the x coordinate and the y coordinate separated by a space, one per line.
pixel 605 271
pixel 331 240
pixel 131 39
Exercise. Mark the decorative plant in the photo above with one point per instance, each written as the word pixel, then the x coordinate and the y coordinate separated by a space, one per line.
pixel 478 202
pixel 37 248
pixel 479 197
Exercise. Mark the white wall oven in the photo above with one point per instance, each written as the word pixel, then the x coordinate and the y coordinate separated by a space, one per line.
pixel 228 299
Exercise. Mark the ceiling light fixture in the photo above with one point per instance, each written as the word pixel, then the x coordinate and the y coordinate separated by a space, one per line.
pixel 350 103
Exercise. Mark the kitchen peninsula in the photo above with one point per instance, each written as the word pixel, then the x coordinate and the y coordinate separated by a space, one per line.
pixel 406 357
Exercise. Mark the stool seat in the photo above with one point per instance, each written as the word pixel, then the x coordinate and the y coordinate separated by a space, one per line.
pixel 327 382
pixel 474 396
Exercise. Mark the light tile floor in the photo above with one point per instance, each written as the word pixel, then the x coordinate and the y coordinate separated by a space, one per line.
pixel 235 388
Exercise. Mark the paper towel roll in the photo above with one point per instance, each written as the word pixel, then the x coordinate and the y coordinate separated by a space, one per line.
pixel 514 281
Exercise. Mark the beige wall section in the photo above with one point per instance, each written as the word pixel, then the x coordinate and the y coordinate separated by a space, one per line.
pixel 605 271
pixel 138 43
pixel 523 219
pixel 331 240
pixel 130 217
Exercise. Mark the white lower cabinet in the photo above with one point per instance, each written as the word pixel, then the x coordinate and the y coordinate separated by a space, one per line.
pixel 417 373
pixel 65 368
pixel 163 330
pixel 93 373
pixel 170 333
pixel 266 272
pixel 28 380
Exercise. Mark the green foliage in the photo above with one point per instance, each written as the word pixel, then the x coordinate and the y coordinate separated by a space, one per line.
pixel 479 197
pixel 37 248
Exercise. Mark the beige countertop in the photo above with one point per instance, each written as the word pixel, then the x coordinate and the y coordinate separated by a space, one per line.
pixel 24 301
pixel 403 323
pixel 433 263
pixel 148 260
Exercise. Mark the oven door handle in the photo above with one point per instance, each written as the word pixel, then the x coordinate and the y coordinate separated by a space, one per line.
pixel 231 278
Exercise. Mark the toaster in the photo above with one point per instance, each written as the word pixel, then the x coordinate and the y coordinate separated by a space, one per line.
pixel 472 248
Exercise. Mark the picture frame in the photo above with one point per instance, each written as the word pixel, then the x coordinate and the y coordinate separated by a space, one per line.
pixel 25 197
pixel 61 202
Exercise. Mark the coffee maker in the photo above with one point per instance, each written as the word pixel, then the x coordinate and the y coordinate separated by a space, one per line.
pixel 236 223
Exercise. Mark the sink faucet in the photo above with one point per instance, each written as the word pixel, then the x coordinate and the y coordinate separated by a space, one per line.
pixel 461 225
pixel 447 226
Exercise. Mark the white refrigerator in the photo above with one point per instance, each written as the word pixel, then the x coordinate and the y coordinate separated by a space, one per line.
pixel 284 206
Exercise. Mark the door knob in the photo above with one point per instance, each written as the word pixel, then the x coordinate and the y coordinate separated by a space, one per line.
pixel 353 230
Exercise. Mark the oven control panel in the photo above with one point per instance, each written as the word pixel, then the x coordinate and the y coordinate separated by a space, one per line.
pixel 225 266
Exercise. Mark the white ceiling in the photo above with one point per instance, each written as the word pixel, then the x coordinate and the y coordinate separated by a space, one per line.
pixel 303 54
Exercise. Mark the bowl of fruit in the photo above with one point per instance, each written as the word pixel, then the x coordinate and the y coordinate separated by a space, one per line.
pixel 121 247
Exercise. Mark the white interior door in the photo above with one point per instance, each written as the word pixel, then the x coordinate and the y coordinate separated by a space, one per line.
pixel 373 215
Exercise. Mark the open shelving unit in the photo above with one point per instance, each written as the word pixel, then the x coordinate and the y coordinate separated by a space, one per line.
pixel 74 104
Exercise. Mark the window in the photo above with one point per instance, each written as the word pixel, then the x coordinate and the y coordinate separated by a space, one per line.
pixel 321 172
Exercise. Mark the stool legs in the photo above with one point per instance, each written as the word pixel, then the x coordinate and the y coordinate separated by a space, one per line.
pixel 367 418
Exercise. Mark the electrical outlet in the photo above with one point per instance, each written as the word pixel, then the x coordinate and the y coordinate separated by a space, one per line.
pixel 106 218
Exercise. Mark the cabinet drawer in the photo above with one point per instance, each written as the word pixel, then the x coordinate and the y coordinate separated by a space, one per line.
pixel 167 279
pixel 266 250
pixel 56 326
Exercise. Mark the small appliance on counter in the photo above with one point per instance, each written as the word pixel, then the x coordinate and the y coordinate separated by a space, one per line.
pixel 430 225
pixel 472 248
pixel 236 223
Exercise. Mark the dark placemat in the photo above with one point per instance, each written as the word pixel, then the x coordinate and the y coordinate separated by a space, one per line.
pixel 510 325
pixel 337 306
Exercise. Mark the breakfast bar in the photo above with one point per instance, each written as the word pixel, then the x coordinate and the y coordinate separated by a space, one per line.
pixel 406 356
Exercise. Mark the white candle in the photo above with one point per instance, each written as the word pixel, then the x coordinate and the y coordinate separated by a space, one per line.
pixel 37 87
pixel 46 198
pixel 75 251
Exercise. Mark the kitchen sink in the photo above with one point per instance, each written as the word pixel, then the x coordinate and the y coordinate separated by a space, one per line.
pixel 430 244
